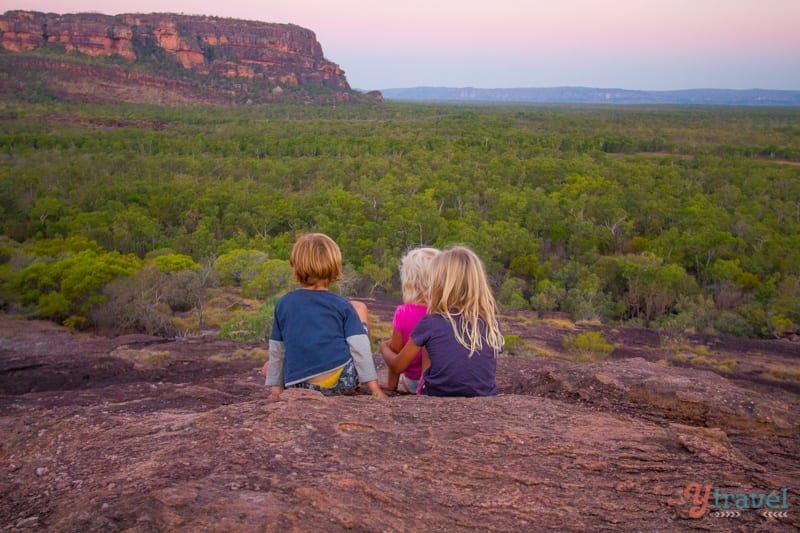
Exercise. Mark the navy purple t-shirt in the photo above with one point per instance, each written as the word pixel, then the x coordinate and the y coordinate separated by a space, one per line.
pixel 453 372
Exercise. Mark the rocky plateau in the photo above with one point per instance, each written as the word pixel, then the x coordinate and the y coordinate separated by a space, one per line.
pixel 139 433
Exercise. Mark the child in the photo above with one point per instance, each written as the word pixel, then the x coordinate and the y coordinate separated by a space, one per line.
pixel 460 332
pixel 414 278
pixel 318 340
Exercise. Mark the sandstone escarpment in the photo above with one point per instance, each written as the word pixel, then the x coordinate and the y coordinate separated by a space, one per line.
pixel 222 59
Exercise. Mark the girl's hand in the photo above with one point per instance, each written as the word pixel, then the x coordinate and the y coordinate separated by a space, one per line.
pixel 275 393
pixel 399 362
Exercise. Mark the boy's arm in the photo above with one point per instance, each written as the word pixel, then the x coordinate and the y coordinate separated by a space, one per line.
pixel 361 351
pixel 277 357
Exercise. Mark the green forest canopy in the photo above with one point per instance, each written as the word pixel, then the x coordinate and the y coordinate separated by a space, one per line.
pixel 684 217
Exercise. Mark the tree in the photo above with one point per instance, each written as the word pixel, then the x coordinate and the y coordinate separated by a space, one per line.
pixel 136 304
pixel 378 276
pixel 787 300
pixel 512 294
pixel 654 288
pixel 273 276
pixel 174 263
pixel 239 265
pixel 135 231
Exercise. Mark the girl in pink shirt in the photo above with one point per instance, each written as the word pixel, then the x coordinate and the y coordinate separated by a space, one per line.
pixel 415 280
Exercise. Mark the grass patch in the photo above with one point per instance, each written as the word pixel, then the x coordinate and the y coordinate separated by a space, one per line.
pixel 379 330
pixel 224 305
pixel 142 357
pixel 186 324
pixel 516 346
pixel 520 319
pixel 537 350
pixel 677 342
pixel 560 323
pixel 703 359
pixel 781 373
pixel 696 355
pixel 257 355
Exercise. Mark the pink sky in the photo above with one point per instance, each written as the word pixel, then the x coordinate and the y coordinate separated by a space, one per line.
pixel 631 44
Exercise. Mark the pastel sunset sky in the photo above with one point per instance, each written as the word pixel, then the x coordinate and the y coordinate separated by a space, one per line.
pixel 629 44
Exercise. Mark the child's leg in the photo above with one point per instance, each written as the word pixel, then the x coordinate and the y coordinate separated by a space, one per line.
pixel 361 311
pixel 409 385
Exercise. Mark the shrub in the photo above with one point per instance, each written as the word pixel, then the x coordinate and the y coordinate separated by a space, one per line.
pixel 588 346
pixel 586 300
pixel 721 365
pixel 782 373
pixel 174 263
pixel 511 294
pixel 250 327
pixel 238 265
pixel 680 358
pixel 270 277
pixel 548 297
pixel 69 284
pixel 733 324
pixel 515 345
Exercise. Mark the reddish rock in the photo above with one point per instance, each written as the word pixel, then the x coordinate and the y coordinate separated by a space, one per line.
pixel 199 43
pixel 264 52
pixel 139 433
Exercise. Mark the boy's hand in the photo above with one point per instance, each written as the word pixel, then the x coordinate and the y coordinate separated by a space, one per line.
pixel 275 393
pixel 376 390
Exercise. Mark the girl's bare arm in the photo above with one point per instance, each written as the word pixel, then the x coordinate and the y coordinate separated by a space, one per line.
pixel 399 361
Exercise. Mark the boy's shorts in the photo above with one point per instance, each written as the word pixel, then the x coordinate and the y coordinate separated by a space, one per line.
pixel 347 384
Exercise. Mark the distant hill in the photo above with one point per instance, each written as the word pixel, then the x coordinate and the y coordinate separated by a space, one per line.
pixel 163 58
pixel 591 95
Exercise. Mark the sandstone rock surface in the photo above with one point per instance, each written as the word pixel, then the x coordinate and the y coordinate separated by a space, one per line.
pixel 140 434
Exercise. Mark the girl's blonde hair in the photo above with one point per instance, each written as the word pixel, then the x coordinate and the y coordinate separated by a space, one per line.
pixel 316 260
pixel 415 274
pixel 459 288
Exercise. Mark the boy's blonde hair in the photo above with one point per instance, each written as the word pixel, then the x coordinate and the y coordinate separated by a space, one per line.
pixel 459 287
pixel 316 260
pixel 415 274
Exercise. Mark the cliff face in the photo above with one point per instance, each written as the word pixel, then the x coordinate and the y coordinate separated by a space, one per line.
pixel 240 51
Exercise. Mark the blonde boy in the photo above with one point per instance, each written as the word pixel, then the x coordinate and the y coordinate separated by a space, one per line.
pixel 318 339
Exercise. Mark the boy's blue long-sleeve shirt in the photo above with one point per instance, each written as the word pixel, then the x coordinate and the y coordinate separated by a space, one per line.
pixel 315 332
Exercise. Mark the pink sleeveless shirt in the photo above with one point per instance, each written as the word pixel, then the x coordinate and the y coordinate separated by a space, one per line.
pixel 405 318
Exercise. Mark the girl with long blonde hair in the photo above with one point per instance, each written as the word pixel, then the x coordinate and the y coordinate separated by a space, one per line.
pixel 460 333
